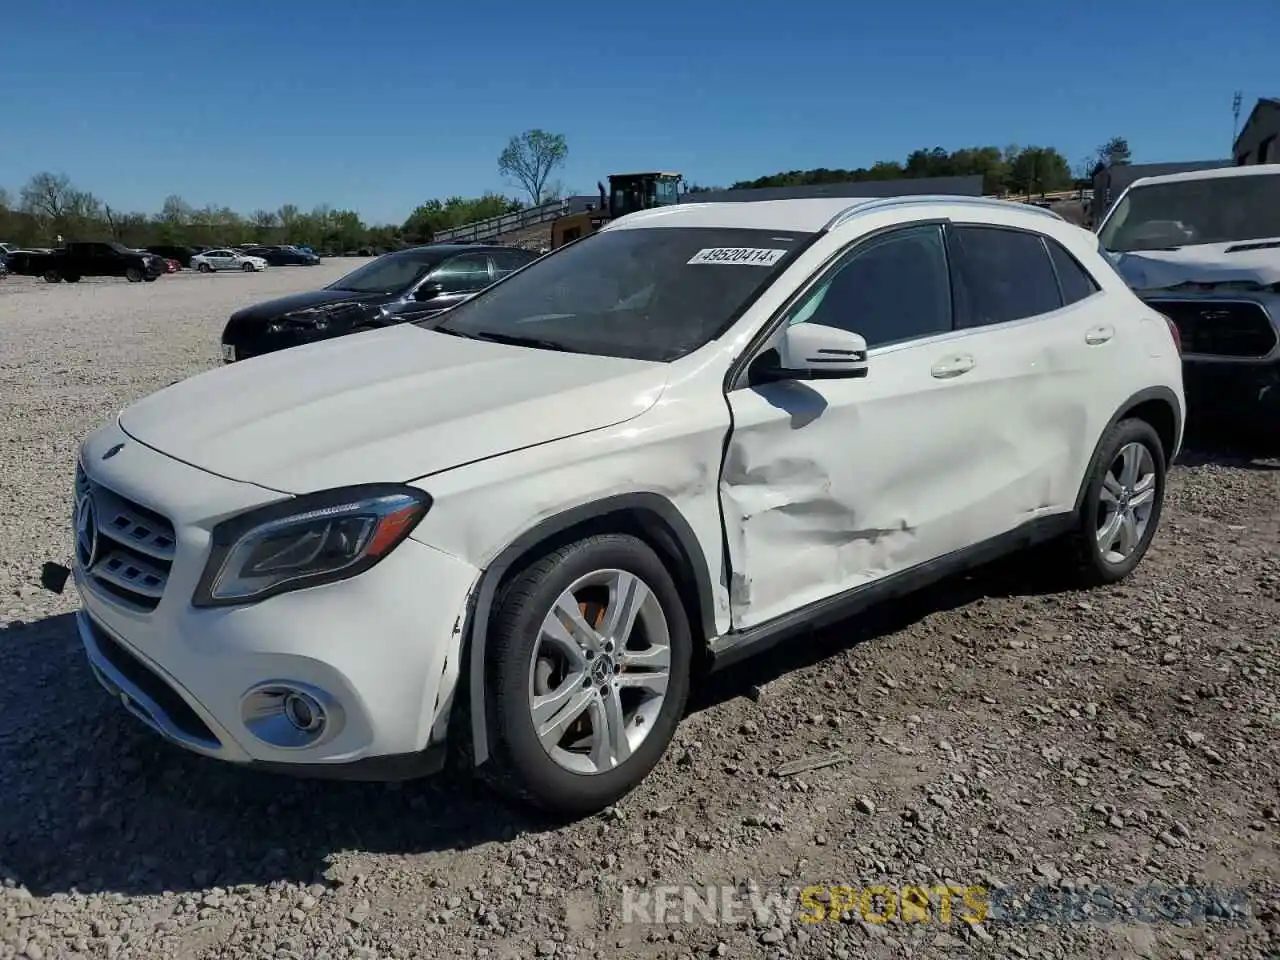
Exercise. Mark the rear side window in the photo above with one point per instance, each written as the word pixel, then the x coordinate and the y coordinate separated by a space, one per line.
pixel 1007 275
pixel 1075 281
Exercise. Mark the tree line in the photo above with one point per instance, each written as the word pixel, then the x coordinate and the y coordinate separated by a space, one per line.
pixel 50 206
pixel 1011 170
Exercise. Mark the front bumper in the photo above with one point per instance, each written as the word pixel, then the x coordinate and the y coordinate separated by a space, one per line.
pixel 380 652
pixel 1239 392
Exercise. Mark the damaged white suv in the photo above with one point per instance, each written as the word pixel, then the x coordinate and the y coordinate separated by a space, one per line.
pixel 518 528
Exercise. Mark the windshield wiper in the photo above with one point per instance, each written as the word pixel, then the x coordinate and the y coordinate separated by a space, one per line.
pixel 514 339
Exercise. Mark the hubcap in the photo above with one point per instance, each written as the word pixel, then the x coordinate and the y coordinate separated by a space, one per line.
pixel 1125 502
pixel 599 671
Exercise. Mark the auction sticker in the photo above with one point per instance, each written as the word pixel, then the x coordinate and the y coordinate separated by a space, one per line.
pixel 751 256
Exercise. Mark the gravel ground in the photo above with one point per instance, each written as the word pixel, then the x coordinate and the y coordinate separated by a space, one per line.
pixel 992 732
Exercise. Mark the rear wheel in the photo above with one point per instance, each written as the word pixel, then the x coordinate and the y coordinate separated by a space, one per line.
pixel 205 268
pixel 590 655
pixel 52 276
pixel 133 275
pixel 1123 500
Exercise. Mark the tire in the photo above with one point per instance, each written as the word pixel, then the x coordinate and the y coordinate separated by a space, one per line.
pixel 1093 559
pixel 205 268
pixel 133 275
pixel 247 268
pixel 523 657
pixel 52 276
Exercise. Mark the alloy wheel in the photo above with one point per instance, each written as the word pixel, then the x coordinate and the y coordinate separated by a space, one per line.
pixel 1126 499
pixel 599 671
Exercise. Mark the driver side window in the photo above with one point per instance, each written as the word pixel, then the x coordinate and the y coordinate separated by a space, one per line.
pixel 463 274
pixel 891 288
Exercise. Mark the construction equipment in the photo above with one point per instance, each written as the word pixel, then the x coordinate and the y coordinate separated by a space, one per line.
pixel 627 193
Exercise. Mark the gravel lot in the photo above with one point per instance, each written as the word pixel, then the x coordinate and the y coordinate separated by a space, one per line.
pixel 1001 734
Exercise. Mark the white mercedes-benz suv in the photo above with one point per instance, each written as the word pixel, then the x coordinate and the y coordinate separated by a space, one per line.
pixel 523 527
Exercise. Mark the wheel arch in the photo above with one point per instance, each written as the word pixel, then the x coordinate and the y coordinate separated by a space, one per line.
pixel 649 516
pixel 1157 406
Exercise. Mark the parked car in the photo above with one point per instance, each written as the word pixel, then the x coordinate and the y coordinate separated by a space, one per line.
pixel 398 287
pixel 284 256
pixel 227 259
pixel 701 431
pixel 1203 248
pixel 89 259
pixel 181 253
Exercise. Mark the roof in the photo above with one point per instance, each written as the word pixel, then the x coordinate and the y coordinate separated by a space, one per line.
pixel 1220 173
pixel 970 186
pixel 808 215
pixel 648 173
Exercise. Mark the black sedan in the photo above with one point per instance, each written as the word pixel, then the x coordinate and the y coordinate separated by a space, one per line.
pixel 284 256
pixel 395 288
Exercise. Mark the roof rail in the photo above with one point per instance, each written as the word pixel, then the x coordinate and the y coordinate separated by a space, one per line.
pixel 888 203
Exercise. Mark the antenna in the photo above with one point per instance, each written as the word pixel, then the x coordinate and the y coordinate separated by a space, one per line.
pixel 1235 118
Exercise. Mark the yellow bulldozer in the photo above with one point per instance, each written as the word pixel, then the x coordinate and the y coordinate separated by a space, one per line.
pixel 627 193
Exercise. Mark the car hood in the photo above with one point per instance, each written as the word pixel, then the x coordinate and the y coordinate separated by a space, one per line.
pixel 1252 264
pixel 389 405
pixel 301 301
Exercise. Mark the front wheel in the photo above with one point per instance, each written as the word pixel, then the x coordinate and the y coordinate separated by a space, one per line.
pixel 52 276
pixel 133 275
pixel 590 653
pixel 248 268
pixel 1123 500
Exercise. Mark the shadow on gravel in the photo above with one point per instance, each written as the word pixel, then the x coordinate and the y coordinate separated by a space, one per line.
pixel 1228 445
pixel 1010 577
pixel 94 801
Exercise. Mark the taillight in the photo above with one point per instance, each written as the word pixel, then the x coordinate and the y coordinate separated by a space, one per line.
pixel 1173 332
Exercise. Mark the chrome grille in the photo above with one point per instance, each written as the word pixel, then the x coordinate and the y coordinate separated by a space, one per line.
pixel 124 547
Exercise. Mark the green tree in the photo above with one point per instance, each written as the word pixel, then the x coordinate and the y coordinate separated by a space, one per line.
pixel 1115 152
pixel 530 158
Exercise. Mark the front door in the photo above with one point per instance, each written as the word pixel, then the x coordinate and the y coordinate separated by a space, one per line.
pixel 832 484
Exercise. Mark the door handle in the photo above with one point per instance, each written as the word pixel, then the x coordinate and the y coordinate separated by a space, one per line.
pixel 1099 334
pixel 954 366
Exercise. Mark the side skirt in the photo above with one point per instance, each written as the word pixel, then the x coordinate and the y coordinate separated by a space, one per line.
pixel 740 644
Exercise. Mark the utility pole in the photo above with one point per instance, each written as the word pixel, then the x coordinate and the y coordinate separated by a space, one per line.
pixel 1235 119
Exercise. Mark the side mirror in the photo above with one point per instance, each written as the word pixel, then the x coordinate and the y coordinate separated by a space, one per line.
pixel 428 291
pixel 814 351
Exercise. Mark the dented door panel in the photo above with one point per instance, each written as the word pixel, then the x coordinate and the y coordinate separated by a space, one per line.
pixel 828 485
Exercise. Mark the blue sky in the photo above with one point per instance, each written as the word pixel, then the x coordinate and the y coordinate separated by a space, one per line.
pixel 379 105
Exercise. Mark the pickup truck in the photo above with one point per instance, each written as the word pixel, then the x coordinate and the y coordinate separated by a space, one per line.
pixel 89 259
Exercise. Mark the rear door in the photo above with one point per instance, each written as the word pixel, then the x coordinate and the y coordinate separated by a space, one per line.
pixel 1040 344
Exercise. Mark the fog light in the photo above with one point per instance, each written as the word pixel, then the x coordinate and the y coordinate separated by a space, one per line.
pixel 291 715
pixel 303 712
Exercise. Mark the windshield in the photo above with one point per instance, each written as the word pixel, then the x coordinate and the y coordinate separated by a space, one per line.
pixel 390 273
pixel 655 293
pixel 1163 216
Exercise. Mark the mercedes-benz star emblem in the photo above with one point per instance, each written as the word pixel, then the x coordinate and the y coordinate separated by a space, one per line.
pixel 113 451
pixel 86 533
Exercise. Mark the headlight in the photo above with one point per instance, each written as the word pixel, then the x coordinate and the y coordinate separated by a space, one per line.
pixel 310 540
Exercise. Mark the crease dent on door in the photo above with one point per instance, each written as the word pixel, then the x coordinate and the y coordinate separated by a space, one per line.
pixel 796 534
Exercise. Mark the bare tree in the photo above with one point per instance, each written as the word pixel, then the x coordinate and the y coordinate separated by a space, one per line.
pixel 530 158
pixel 47 194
